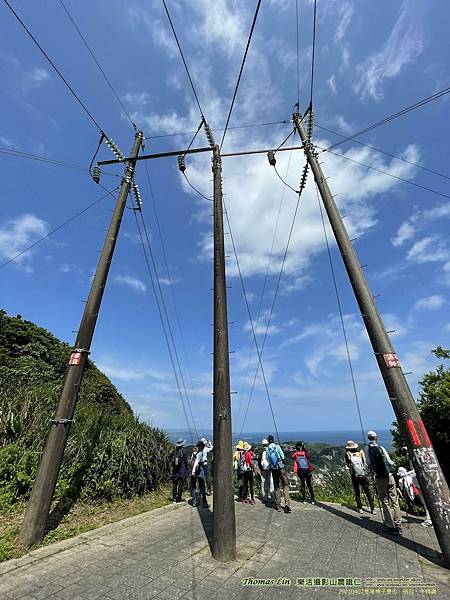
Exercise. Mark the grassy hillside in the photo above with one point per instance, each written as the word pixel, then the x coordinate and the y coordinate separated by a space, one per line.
pixel 110 454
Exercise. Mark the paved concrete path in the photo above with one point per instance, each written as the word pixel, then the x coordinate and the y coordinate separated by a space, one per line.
pixel 165 554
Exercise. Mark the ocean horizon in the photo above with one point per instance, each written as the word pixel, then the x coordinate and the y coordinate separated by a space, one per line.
pixel 333 438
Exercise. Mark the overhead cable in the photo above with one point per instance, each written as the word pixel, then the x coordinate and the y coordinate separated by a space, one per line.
pixel 165 135
pixel 409 162
pixel 298 52
pixel 240 71
pixel 283 190
pixel 160 302
pixel 56 69
pixel 338 300
pixel 400 113
pixel 182 57
pixel 163 303
pixel 97 63
pixel 422 187
pixel 278 284
pixel 72 218
pixel 251 320
pixel 313 53
pixel 169 278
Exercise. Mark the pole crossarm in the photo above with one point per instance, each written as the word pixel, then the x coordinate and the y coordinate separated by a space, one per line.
pixel 429 472
pixel 194 151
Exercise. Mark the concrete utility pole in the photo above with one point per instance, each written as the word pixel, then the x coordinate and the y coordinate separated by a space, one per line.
pixel 431 478
pixel 33 525
pixel 224 527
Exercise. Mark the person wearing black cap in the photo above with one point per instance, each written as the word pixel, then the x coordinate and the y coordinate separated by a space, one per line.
pixel 276 457
pixel 179 471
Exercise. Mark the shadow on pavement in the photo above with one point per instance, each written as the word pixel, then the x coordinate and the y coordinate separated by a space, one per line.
pixel 377 528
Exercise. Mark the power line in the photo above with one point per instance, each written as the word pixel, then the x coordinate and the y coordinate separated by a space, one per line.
pixel 161 239
pixel 400 113
pixel 183 59
pixel 166 135
pixel 409 162
pixel 49 60
pixel 338 300
pixel 45 159
pixel 277 288
pixel 313 53
pixel 422 187
pixel 251 320
pixel 98 64
pixel 72 218
pixel 163 323
pixel 147 237
pixel 240 71
pixel 283 190
pixel 298 52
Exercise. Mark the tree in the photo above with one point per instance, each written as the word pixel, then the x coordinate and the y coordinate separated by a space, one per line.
pixel 434 408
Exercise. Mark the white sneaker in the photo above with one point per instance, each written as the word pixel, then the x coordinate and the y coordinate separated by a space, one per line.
pixel 427 523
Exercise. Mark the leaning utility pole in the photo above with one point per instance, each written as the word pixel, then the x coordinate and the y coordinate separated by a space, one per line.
pixel 224 529
pixel 431 478
pixel 33 525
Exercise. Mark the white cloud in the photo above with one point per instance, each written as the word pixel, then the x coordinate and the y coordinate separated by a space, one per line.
pixel 429 249
pixel 434 302
pixel 345 16
pixel 332 83
pixel 405 232
pixel 39 75
pixel 133 282
pixel 138 99
pixel 19 233
pixel 447 327
pixel 172 281
pixel 403 46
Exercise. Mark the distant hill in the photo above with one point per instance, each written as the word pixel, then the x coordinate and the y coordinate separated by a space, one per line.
pixel 109 452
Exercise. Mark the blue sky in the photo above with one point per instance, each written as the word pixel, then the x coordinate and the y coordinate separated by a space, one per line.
pixel 372 59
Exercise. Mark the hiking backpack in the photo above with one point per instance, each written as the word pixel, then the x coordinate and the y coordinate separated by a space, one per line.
pixel 274 459
pixel 302 462
pixel 357 464
pixel 242 465
pixel 378 462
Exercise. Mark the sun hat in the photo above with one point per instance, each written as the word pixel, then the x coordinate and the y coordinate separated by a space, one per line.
pixel 265 442
pixel 240 445
pixel 371 434
pixel 402 472
pixel 351 445
pixel 180 442
pixel 204 440
pixel 247 446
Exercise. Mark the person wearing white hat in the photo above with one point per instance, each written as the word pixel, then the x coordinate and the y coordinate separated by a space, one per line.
pixel 356 464
pixel 381 465
pixel 410 490
pixel 207 465
pixel 248 474
pixel 267 491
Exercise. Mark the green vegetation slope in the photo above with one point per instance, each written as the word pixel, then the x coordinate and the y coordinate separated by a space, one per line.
pixel 110 453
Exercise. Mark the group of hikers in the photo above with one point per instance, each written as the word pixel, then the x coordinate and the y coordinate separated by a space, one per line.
pixel 268 464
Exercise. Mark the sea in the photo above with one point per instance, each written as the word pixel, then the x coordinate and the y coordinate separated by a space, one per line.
pixel 333 438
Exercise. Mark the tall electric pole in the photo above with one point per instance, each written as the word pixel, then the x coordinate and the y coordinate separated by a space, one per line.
pixel 224 527
pixel 431 478
pixel 33 526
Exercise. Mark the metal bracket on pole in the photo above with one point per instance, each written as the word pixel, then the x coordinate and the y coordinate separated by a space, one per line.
pixel 62 421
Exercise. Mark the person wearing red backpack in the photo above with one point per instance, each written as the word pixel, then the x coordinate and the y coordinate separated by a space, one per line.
pixel 303 468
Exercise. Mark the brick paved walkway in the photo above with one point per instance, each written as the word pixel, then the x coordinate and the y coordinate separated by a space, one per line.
pixel 164 554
